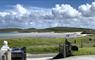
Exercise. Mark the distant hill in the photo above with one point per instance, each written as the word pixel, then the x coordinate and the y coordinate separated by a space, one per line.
pixel 66 29
pixel 53 29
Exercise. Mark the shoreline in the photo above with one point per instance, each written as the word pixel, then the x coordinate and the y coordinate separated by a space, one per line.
pixel 43 35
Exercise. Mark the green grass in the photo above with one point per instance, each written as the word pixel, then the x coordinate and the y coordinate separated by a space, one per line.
pixel 34 41
pixel 42 49
pixel 51 45
pixel 85 51
pixel 36 45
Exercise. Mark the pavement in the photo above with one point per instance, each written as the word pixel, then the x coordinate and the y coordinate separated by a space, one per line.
pixel 47 56
pixel 44 58
pixel 84 57
pixel 41 55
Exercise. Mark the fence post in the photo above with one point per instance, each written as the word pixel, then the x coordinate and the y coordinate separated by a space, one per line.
pixel 64 50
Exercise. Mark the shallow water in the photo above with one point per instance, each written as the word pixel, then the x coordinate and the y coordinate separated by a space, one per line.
pixel 39 35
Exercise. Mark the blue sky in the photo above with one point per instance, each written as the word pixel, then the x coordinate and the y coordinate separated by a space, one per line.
pixel 47 13
pixel 43 3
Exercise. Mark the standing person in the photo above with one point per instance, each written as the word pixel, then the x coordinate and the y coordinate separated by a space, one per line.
pixel 5 46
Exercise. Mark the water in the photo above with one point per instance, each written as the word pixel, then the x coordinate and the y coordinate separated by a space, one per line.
pixel 40 35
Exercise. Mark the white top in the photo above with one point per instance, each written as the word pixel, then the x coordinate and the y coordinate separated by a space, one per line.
pixel 5 46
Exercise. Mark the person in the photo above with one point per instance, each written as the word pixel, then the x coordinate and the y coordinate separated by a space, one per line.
pixel 67 42
pixel 5 46
pixel 68 48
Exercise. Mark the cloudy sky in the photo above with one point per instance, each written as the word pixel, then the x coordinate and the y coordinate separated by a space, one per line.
pixel 47 13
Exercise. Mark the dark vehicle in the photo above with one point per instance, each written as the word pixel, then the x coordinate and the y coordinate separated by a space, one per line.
pixel 18 53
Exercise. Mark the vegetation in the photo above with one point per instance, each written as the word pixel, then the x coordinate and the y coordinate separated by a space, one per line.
pixel 36 45
pixel 51 45
pixel 85 51
pixel 53 29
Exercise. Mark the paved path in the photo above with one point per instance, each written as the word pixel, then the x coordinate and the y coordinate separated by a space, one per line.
pixel 41 55
pixel 85 57
pixel 44 58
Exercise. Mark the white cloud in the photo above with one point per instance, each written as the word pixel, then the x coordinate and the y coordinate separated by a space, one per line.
pixel 65 11
pixel 3 14
pixel 20 9
pixel 87 9
pixel 61 15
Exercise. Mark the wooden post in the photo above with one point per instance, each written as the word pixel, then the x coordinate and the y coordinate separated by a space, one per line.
pixel 64 50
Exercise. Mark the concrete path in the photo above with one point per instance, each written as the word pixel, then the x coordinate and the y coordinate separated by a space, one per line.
pixel 85 57
pixel 41 55
pixel 44 58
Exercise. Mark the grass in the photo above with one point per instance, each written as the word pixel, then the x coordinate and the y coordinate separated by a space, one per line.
pixel 51 45
pixel 32 41
pixel 36 45
pixel 42 49
pixel 85 51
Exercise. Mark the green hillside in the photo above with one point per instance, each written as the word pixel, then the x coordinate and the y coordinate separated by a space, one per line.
pixel 53 29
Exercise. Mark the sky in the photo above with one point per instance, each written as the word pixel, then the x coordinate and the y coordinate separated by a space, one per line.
pixel 47 13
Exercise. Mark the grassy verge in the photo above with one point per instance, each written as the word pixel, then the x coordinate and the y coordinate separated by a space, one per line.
pixel 50 45
pixel 42 49
pixel 36 45
pixel 85 51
